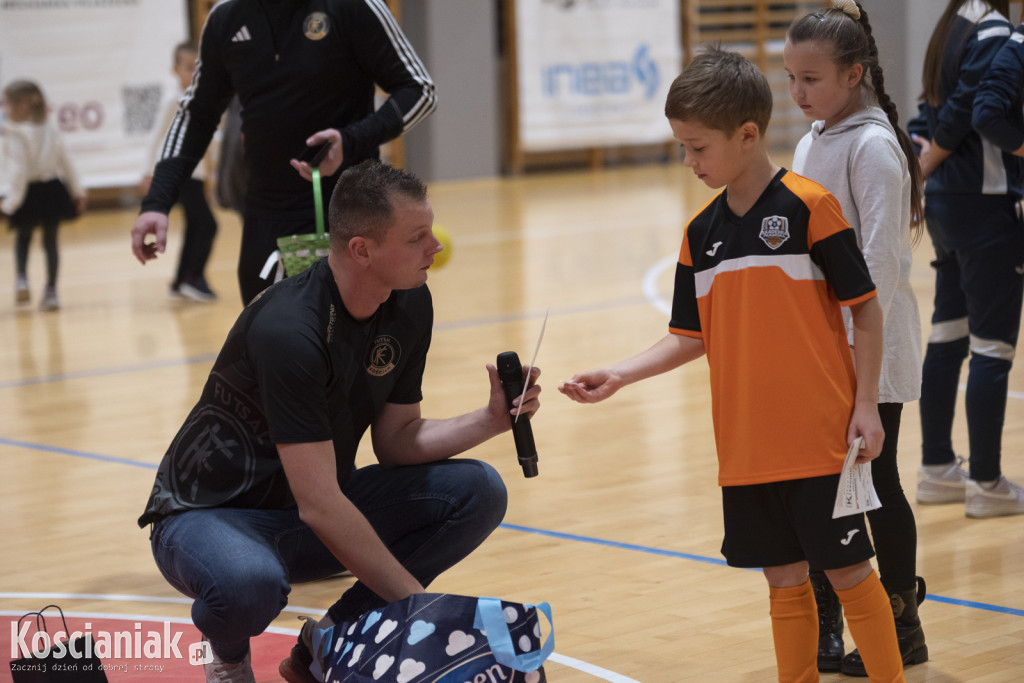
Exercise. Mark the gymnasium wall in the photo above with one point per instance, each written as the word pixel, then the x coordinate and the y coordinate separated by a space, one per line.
pixel 103 65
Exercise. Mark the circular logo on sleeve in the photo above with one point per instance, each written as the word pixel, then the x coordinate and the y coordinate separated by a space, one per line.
pixel 316 26
pixel 384 355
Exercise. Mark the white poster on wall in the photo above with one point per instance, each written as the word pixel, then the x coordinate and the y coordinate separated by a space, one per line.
pixel 595 73
pixel 102 65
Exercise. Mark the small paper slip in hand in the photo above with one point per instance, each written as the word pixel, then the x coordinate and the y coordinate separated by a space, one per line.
pixel 856 492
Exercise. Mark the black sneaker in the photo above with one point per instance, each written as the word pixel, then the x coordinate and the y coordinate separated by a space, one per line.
pixel 197 289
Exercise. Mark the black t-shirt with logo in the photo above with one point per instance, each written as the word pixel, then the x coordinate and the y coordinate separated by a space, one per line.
pixel 295 368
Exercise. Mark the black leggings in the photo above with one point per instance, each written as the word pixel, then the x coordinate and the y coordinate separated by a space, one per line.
pixel 893 528
pixel 21 244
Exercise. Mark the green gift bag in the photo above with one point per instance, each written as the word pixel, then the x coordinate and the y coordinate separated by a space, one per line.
pixel 298 252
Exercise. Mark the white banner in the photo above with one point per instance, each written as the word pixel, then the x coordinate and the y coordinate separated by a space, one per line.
pixel 102 65
pixel 595 73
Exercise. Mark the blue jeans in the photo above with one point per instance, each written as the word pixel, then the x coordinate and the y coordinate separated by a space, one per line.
pixel 239 564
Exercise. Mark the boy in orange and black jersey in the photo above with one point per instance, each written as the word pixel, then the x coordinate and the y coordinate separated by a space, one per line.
pixel 763 272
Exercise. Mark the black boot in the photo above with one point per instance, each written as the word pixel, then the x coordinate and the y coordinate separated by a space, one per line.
pixel 830 623
pixel 909 633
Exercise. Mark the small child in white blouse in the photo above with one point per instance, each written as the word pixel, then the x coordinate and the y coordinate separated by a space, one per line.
pixel 44 187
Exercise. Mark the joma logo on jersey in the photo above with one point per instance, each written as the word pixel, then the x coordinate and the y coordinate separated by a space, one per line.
pixel 774 231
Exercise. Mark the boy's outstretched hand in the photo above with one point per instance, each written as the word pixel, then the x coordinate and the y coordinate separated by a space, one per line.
pixel 668 353
pixel 591 387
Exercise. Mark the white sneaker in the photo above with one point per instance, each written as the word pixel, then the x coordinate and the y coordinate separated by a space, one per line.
pixel 21 293
pixel 938 484
pixel 219 671
pixel 49 301
pixel 1005 498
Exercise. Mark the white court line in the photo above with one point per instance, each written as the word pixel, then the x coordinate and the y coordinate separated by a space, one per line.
pixel 650 285
pixel 129 598
pixel 138 617
pixel 595 671
pixel 579 665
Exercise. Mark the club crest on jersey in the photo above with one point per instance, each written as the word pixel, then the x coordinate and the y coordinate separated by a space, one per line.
pixel 384 355
pixel 774 231
pixel 316 26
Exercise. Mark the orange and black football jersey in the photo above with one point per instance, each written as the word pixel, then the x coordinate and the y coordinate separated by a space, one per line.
pixel 763 291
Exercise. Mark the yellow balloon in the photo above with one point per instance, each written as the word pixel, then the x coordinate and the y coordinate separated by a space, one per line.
pixel 441 257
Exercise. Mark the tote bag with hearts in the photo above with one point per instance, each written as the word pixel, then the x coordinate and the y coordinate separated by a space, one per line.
pixel 437 638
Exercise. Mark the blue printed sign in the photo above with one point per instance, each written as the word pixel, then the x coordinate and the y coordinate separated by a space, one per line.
pixel 594 73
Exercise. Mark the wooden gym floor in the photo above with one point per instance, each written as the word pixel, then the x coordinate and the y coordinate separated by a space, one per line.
pixel 621 530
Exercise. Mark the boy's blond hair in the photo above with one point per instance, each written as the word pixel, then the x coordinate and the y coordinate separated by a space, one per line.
pixel 188 47
pixel 721 90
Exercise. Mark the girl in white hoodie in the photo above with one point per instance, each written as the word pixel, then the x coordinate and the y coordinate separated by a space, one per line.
pixel 857 151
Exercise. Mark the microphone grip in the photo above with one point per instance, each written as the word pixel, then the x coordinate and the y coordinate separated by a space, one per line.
pixel 510 372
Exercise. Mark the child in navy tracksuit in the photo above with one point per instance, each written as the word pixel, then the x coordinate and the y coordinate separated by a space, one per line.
pixel 972 217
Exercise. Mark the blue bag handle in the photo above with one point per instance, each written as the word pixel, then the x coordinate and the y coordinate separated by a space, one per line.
pixel 323 639
pixel 491 618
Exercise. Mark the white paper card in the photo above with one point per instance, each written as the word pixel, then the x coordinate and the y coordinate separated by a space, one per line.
pixel 856 492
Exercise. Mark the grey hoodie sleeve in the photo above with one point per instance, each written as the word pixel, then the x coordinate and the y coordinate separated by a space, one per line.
pixel 877 167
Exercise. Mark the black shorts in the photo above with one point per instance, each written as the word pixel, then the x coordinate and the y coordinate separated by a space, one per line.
pixel 770 525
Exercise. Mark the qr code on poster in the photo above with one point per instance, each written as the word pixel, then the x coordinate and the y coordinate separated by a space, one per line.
pixel 140 107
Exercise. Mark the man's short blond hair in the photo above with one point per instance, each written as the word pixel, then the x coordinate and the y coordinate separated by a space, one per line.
pixel 721 90
pixel 363 201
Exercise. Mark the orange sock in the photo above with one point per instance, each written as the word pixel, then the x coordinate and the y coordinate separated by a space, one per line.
pixel 795 631
pixel 869 616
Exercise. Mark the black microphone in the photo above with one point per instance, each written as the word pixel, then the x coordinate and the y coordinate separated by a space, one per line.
pixel 510 372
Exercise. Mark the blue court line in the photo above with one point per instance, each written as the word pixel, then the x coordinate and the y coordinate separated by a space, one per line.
pixel 516 527
pixel 77 454
pixel 615 544
pixel 718 561
pixel 977 605
pixel 105 372
pixel 210 357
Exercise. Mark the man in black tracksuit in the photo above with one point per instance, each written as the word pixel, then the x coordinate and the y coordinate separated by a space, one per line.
pixel 305 72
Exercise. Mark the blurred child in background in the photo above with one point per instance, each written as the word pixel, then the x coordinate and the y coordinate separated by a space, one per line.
pixel 200 224
pixel 44 186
